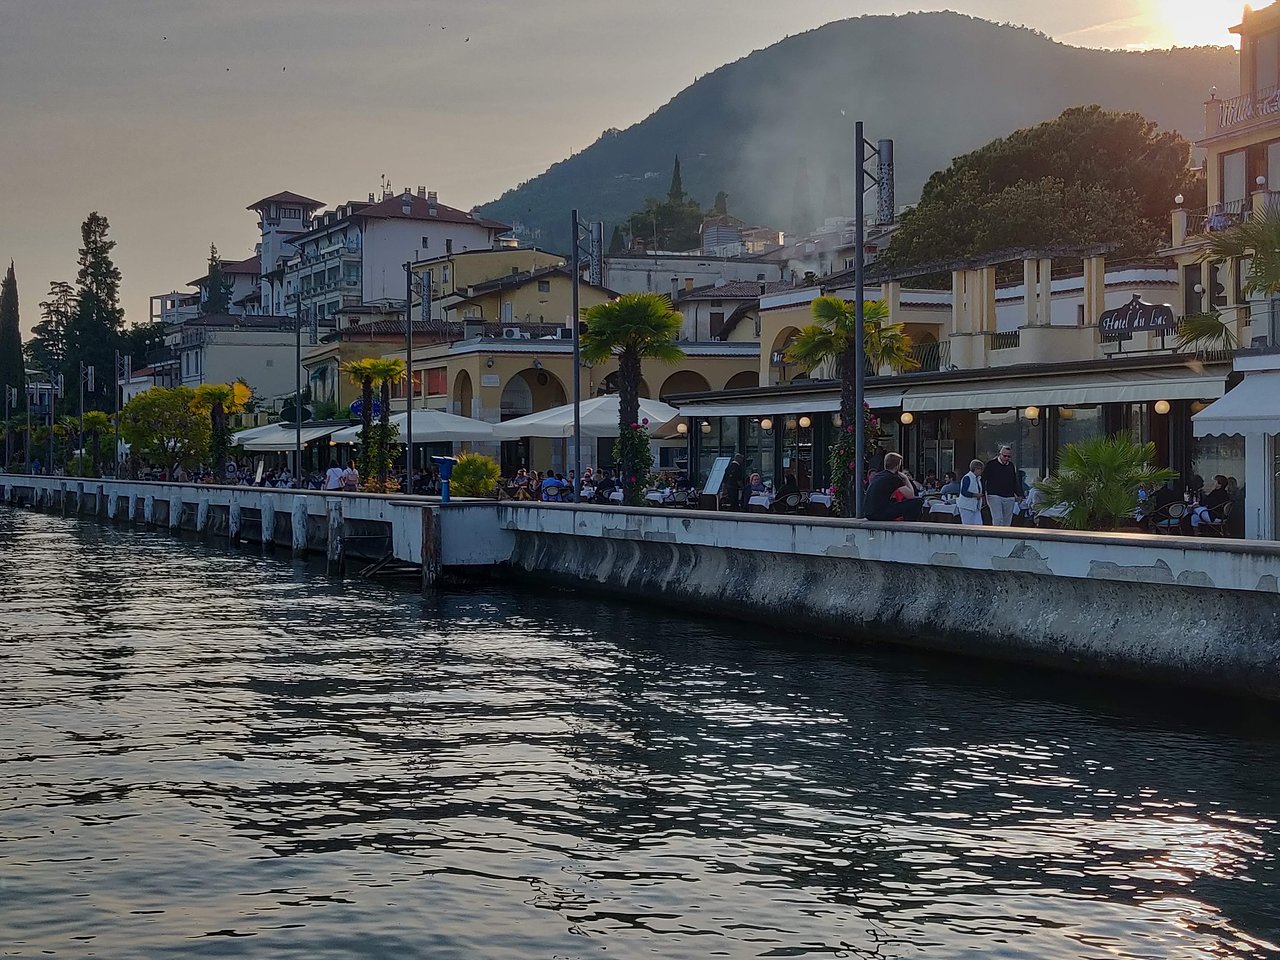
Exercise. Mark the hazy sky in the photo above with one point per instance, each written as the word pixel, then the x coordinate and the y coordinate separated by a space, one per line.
pixel 169 116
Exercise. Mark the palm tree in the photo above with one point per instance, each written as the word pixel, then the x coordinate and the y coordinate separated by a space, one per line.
pixel 221 400
pixel 1258 239
pixel 375 446
pixel 634 327
pixel 831 338
pixel 1098 481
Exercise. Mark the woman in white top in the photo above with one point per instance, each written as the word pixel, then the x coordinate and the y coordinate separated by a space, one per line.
pixel 972 495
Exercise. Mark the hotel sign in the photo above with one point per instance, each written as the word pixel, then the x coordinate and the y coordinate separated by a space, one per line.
pixel 1135 317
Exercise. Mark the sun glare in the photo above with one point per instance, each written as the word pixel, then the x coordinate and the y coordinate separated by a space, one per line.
pixel 1189 23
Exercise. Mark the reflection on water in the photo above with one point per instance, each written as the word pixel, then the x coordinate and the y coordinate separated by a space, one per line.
pixel 208 754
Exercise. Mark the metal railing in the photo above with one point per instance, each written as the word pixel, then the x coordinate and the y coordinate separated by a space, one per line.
pixel 1006 340
pixel 932 357
pixel 1247 108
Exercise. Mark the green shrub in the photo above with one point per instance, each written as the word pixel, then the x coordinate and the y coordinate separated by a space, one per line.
pixel 474 475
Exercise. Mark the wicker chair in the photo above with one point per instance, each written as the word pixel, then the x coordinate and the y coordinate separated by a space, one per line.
pixel 1216 524
pixel 1170 519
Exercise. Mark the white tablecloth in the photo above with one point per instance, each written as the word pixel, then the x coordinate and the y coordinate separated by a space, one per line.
pixel 949 509
pixel 760 500
pixel 823 498
pixel 616 496
pixel 656 496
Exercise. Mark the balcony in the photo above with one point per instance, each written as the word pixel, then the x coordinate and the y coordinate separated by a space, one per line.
pixel 932 357
pixel 1006 340
pixel 1241 113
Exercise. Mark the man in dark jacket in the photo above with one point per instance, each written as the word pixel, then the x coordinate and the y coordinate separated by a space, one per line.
pixel 733 481
pixel 1004 487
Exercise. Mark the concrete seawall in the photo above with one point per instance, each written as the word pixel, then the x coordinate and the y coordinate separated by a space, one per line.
pixel 1188 611
pixel 1192 611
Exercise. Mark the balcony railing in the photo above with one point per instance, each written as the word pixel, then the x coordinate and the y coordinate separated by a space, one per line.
pixel 1242 111
pixel 1006 340
pixel 932 357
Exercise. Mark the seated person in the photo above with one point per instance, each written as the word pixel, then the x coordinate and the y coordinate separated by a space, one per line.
pixel 891 495
pixel 755 486
pixel 1213 499
pixel 931 481
pixel 950 485
pixel 521 477
pixel 789 485
pixel 1156 502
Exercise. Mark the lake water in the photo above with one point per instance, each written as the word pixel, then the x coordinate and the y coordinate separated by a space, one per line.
pixel 208 754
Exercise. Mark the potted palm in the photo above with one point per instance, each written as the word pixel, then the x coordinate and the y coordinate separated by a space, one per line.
pixel 1098 480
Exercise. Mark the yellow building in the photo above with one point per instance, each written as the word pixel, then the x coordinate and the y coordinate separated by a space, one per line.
pixel 540 296
pixel 452 274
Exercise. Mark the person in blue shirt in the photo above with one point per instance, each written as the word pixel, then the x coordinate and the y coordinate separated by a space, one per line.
pixel 950 485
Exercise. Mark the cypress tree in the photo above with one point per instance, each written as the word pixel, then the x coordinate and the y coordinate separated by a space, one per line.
pixel 617 243
pixel 676 193
pixel 217 288
pixel 93 333
pixel 12 368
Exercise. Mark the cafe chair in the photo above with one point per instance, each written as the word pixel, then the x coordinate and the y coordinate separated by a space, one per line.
pixel 791 503
pixel 1216 524
pixel 1170 519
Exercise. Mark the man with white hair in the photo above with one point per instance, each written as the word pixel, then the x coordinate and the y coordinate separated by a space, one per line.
pixel 1003 485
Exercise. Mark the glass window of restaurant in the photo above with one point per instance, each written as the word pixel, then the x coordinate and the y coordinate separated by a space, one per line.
pixel 759 448
pixel 932 449
pixel 1076 425
pixel 797 448
pixel 718 439
pixel 998 427
pixel 1214 456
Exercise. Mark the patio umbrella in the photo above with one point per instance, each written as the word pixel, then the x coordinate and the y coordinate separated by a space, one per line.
pixel 599 417
pixel 429 426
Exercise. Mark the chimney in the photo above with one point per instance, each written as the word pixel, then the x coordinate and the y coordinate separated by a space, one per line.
pixel 371 199
pixel 431 197
pixel 675 289
pixel 885 207
pixel 422 192
pixel 688 283
pixel 762 289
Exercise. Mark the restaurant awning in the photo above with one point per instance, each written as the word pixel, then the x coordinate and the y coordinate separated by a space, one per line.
pixel 1128 386
pixel 766 406
pixel 1252 407
pixel 281 436
pixel 429 426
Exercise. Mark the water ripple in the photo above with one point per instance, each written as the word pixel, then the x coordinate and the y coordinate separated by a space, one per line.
pixel 210 754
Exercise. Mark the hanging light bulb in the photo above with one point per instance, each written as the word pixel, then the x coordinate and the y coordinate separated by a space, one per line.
pixel 907 418
pixel 682 428
pixel 1162 407
pixel 706 426
pixel 1032 412
pixel 805 423
pixel 766 424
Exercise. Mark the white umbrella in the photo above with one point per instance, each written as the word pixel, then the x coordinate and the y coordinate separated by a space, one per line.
pixel 429 426
pixel 599 417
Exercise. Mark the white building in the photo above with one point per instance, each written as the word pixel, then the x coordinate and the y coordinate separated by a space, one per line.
pixel 355 254
pixel 670 273
pixel 281 217
pixel 260 350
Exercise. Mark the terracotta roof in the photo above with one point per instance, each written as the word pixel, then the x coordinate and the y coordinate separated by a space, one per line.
pixel 513 281
pixel 142 372
pixel 737 290
pixel 252 265
pixel 420 208
pixel 286 197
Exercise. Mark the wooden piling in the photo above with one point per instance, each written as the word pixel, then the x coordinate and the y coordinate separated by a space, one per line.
pixel 149 510
pixel 233 521
pixel 175 512
pixel 202 515
pixel 335 556
pixel 430 549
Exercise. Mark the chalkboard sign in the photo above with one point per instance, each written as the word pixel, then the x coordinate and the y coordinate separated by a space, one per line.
pixel 715 479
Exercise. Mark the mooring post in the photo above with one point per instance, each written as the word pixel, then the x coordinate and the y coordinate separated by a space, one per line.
pixel 175 512
pixel 112 505
pixel 268 523
pixel 79 497
pixel 299 526
pixel 149 510
pixel 335 556
pixel 202 515
pixel 430 549
pixel 62 497
pixel 233 520
pixel 100 500
pixel 135 507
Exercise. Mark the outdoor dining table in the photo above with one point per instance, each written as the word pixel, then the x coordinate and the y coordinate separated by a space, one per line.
pixel 760 500
pixel 941 508
pixel 823 498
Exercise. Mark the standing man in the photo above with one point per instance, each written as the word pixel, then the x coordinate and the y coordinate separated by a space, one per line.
pixel 733 481
pixel 1003 485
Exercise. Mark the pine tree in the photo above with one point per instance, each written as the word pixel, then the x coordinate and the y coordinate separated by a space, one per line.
pixel 93 334
pixel 676 193
pixel 47 348
pixel 217 288
pixel 12 367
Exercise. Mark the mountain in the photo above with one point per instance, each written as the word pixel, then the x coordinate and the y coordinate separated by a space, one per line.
pixel 937 84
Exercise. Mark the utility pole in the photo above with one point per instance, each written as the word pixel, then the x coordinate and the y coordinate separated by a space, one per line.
pixel 297 391
pixel 86 377
pixel 124 373
pixel 593 234
pixel 26 443
pixel 884 152
pixel 408 367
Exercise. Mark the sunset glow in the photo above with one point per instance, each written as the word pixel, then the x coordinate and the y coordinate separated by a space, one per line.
pixel 1188 23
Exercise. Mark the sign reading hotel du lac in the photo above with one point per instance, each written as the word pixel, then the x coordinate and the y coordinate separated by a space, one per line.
pixel 1135 317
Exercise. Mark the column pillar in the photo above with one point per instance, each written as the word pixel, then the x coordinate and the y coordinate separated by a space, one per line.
pixel 268 522
pixel 175 512
pixel 1031 290
pixel 1046 292
pixel 335 554
pixel 233 520
pixel 298 526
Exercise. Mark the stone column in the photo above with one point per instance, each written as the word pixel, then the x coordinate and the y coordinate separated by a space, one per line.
pixel 202 515
pixel 335 554
pixel 1046 292
pixel 175 512
pixel 233 520
pixel 149 510
pixel 269 522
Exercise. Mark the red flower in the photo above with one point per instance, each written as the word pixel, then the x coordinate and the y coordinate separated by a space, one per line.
pixel 645 421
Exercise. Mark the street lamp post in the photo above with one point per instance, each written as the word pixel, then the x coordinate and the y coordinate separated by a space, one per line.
pixel 594 234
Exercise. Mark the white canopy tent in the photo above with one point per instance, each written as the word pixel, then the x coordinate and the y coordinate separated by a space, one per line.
pixel 429 426
pixel 1253 407
pixel 278 437
pixel 599 418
